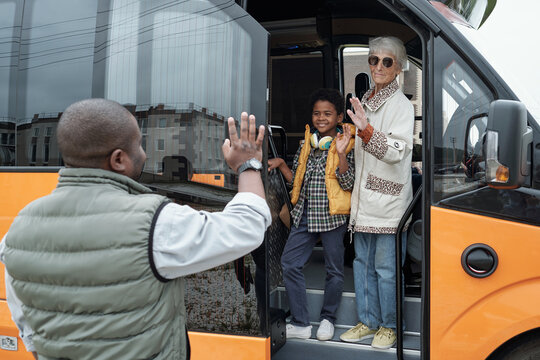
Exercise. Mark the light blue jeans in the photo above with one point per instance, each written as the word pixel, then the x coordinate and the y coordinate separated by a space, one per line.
pixel 374 270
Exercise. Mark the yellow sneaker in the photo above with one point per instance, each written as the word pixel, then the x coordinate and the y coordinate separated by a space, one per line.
pixel 385 338
pixel 357 333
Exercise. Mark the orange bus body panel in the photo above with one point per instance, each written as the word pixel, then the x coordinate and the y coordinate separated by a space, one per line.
pixel 19 189
pixel 208 346
pixel 471 317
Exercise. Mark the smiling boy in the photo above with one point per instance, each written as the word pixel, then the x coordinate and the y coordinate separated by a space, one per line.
pixel 323 173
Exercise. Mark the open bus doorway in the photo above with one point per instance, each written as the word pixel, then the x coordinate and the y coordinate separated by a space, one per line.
pixel 300 65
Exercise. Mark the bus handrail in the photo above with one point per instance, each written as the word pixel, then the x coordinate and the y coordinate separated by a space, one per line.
pixel 399 276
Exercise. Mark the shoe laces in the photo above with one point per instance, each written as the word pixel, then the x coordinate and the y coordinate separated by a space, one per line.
pixel 386 332
pixel 359 327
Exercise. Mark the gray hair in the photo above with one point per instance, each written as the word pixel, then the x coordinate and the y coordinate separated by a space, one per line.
pixel 390 44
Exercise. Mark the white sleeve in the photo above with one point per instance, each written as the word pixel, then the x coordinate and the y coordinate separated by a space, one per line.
pixel 186 241
pixel 15 307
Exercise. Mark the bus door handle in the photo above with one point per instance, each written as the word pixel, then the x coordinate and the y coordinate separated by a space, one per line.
pixel 479 260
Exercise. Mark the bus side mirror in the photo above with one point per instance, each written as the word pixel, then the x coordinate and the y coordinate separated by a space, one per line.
pixel 507 142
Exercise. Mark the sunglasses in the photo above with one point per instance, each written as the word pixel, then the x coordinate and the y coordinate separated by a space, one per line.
pixel 374 60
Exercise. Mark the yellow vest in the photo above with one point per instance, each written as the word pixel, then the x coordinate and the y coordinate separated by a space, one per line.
pixel 339 200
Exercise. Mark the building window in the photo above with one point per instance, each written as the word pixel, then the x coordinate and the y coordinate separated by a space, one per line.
pixel 163 122
pixel 36 131
pixel 143 125
pixel 45 153
pixel 48 131
pixel 160 144
pixel 33 150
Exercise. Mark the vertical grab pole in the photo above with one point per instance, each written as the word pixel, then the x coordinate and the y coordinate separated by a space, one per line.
pixel 399 273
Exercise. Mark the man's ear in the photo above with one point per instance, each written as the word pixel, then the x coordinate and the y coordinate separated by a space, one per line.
pixel 118 161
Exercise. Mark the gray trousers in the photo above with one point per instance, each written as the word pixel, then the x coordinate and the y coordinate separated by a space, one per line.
pixel 296 254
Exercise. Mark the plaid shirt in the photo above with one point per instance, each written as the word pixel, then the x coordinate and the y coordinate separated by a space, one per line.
pixel 314 190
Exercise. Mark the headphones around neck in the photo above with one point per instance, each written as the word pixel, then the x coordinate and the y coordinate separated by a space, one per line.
pixel 323 143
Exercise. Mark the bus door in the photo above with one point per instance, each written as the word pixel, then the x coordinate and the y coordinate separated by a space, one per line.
pixel 304 56
pixel 182 68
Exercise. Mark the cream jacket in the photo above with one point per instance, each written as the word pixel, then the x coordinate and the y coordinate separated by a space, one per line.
pixel 383 187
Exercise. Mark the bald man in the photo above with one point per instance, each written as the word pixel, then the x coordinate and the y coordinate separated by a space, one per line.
pixel 94 270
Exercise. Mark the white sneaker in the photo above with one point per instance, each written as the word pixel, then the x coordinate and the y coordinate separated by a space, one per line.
pixel 298 332
pixel 325 331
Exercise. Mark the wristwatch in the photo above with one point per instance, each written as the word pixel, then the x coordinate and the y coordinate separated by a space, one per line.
pixel 252 164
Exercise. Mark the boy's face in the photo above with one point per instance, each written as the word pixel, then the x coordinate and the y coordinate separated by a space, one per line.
pixel 325 118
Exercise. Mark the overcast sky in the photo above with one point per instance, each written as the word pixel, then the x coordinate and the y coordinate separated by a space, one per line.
pixel 510 41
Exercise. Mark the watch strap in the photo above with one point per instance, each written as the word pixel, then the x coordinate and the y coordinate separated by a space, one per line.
pixel 252 164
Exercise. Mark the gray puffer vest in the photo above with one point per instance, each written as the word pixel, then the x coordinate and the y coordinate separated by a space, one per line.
pixel 82 265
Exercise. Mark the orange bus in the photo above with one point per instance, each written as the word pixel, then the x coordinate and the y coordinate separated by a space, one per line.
pixel 471 279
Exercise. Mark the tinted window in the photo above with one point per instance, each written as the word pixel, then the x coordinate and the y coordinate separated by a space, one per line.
pixel 357 80
pixel 55 69
pixel 294 78
pixel 462 106
pixel 10 18
pixel 459 171
pixel 185 67
pixel 181 67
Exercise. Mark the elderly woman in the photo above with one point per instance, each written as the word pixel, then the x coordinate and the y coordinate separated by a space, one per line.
pixel 382 190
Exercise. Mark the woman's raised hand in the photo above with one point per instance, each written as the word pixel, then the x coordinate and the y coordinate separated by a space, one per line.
pixel 358 117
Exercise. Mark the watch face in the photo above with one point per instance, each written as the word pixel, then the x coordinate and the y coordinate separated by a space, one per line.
pixel 256 164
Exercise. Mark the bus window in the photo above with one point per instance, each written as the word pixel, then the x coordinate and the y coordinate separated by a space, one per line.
pixel 462 105
pixel 355 63
pixel 8 71
pixel 181 68
pixel 357 80
pixel 294 78
pixel 463 109
pixel 55 70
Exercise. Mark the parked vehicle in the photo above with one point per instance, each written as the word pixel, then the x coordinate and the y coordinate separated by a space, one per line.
pixel 472 280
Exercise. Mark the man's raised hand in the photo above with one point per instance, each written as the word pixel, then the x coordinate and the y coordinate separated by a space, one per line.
pixel 236 150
